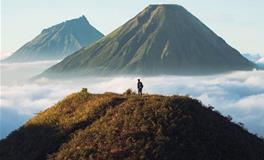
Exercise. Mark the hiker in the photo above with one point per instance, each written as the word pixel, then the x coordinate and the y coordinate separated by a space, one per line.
pixel 140 87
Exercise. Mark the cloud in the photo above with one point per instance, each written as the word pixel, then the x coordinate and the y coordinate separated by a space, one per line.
pixel 252 57
pixel 19 72
pixel 239 94
pixel 261 60
pixel 4 55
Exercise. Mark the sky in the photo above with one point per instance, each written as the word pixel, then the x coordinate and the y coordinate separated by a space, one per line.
pixel 239 22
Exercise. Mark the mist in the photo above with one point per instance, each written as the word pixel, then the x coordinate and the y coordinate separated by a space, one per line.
pixel 239 94
pixel 15 73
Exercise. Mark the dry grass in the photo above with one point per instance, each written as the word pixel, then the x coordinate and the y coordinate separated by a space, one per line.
pixel 128 126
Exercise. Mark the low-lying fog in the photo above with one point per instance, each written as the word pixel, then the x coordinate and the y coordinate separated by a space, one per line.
pixel 239 94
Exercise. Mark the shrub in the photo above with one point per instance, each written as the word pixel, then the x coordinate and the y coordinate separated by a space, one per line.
pixel 241 124
pixel 129 92
pixel 210 107
pixel 84 90
pixel 229 118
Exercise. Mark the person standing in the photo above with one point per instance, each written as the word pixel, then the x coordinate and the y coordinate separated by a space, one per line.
pixel 140 87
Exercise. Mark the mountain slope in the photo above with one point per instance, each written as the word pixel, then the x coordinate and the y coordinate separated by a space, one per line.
pixel 162 39
pixel 114 126
pixel 57 41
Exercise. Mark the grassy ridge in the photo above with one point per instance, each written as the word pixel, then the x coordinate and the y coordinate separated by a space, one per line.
pixel 127 126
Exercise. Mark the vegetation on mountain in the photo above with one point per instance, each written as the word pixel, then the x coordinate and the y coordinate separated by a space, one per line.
pixel 160 40
pixel 128 126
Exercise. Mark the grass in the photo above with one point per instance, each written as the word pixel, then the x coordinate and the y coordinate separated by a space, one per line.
pixel 127 126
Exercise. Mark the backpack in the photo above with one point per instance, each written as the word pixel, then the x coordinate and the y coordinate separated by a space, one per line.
pixel 140 85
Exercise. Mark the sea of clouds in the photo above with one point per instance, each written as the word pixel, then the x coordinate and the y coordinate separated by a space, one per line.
pixel 239 94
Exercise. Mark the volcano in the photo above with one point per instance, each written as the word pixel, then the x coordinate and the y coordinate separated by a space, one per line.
pixel 58 41
pixel 162 39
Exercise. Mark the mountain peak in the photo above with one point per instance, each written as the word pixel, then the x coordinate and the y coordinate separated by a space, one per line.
pixel 162 11
pixel 58 41
pixel 165 5
pixel 162 39
pixel 81 19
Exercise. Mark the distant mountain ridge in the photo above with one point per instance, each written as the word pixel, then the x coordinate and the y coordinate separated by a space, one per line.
pixel 261 60
pixel 113 126
pixel 252 57
pixel 260 63
pixel 58 41
pixel 258 59
pixel 162 39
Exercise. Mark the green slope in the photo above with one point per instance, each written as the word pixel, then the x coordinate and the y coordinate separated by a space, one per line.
pixel 162 39
pixel 127 126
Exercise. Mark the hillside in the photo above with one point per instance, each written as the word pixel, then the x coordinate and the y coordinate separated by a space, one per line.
pixel 162 39
pixel 57 41
pixel 127 126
